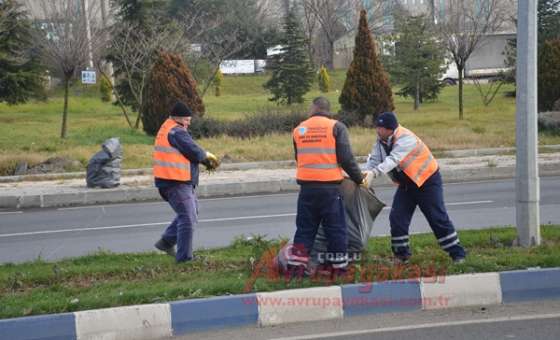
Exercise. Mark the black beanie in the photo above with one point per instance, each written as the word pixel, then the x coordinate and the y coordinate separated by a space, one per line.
pixel 387 120
pixel 180 110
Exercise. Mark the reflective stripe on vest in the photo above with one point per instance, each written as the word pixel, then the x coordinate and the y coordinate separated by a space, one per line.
pixel 168 162
pixel 316 150
pixel 419 164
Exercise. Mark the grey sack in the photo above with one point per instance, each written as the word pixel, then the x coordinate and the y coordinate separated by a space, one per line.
pixel 361 208
pixel 104 168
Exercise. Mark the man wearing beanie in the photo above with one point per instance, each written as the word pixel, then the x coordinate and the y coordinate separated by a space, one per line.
pixel 403 156
pixel 175 166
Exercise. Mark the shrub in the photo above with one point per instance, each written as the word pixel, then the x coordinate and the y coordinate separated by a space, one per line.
pixel 106 89
pixel 254 125
pixel 169 80
pixel 550 121
pixel 324 80
pixel 218 80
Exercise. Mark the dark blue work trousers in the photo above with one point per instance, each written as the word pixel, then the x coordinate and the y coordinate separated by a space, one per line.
pixel 429 197
pixel 182 199
pixel 316 206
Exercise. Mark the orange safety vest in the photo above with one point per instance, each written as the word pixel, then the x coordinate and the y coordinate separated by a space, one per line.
pixel 419 164
pixel 168 162
pixel 316 150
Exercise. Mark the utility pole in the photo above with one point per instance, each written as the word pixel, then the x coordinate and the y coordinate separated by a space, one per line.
pixel 85 12
pixel 527 169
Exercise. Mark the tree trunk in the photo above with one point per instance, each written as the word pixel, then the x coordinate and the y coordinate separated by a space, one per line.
pixel 330 63
pixel 137 124
pixel 65 109
pixel 460 69
pixel 417 95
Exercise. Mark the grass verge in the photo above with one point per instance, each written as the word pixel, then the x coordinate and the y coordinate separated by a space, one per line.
pixel 108 280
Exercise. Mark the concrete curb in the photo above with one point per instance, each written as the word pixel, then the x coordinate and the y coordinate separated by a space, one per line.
pixel 287 306
pixel 266 164
pixel 122 194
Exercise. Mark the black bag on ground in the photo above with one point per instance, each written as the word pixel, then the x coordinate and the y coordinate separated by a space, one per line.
pixel 104 168
pixel 361 208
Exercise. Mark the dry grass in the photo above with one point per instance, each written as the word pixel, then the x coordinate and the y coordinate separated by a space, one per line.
pixel 30 132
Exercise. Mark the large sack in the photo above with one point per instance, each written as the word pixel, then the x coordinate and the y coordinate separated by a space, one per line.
pixel 361 208
pixel 104 168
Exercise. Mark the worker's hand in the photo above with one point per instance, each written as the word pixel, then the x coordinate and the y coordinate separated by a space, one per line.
pixel 369 176
pixel 211 162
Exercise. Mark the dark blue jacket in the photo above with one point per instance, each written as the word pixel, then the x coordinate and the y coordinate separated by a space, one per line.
pixel 181 140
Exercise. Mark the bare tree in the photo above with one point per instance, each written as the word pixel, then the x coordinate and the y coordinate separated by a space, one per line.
pixel 464 27
pixel 327 21
pixel 335 18
pixel 133 49
pixel 62 38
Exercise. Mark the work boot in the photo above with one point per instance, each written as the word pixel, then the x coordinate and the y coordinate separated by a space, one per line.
pixel 166 247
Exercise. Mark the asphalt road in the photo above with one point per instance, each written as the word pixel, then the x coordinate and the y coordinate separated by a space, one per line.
pixel 526 321
pixel 57 233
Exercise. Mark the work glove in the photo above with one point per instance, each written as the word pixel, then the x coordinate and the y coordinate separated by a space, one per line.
pixel 211 162
pixel 369 176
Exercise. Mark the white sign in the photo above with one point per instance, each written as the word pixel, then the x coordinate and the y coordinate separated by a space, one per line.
pixel 237 66
pixel 88 77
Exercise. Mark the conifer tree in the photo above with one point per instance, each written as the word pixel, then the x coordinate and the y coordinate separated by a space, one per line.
pixel 21 75
pixel 419 59
pixel 366 90
pixel 549 74
pixel 292 74
pixel 169 80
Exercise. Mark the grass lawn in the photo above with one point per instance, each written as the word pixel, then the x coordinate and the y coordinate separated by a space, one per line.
pixel 30 132
pixel 106 280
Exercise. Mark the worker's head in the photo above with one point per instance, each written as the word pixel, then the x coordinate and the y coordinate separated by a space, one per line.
pixel 320 104
pixel 181 114
pixel 386 124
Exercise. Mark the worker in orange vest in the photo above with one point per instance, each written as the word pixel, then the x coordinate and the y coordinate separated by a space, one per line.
pixel 322 151
pixel 403 156
pixel 175 166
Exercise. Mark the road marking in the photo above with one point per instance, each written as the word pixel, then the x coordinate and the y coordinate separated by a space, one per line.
pixel 469 203
pixel 456 203
pixel 164 203
pixel 10 212
pixel 422 326
pixel 75 229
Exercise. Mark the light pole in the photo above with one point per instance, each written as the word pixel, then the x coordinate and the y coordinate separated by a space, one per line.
pixel 527 170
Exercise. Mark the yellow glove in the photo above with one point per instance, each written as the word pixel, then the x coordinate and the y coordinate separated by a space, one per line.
pixel 211 162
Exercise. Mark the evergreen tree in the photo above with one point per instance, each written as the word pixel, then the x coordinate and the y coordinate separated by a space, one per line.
pixel 169 80
pixel 549 74
pixel 548 26
pixel 419 59
pixel 366 90
pixel 21 75
pixel 548 20
pixel 291 70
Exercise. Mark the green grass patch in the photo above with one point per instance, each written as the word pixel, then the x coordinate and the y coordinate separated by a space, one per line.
pixel 31 131
pixel 106 280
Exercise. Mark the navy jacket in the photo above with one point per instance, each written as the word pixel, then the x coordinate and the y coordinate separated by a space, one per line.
pixel 182 140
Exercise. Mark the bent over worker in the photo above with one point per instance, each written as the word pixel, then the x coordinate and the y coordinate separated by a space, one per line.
pixel 403 156
pixel 322 150
pixel 175 166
